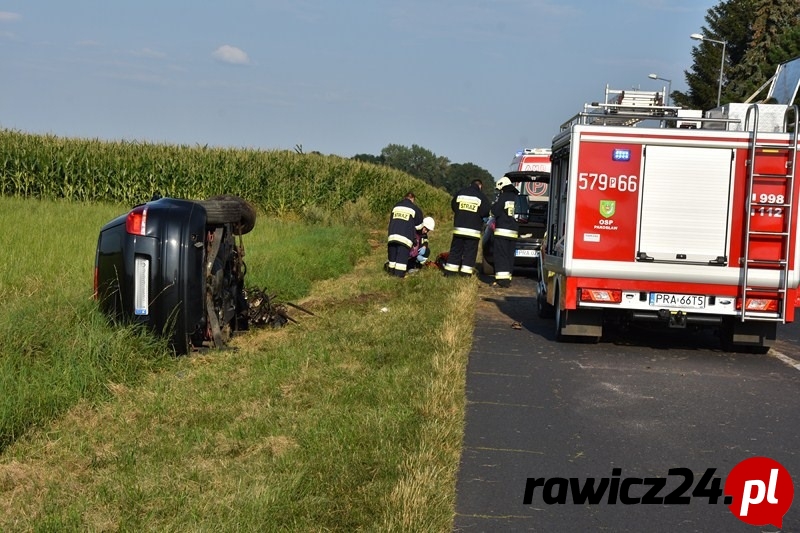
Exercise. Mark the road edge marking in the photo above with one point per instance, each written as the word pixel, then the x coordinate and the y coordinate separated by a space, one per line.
pixel 786 359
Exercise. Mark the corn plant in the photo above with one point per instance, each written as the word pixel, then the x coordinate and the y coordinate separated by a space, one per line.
pixel 276 181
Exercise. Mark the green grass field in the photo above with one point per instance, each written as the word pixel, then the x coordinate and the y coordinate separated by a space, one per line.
pixel 350 420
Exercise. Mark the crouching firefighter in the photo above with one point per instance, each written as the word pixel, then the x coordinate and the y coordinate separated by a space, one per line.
pixel 506 231
pixel 470 207
pixel 421 251
pixel 404 222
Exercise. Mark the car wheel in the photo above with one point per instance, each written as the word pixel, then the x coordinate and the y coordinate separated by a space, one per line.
pixel 230 209
pixel 487 267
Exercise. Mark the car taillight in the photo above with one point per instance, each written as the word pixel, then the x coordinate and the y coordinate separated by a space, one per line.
pixel 136 223
pixel 96 283
pixel 608 296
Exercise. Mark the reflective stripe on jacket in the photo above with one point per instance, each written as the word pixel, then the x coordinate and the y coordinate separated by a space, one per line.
pixel 467 232
pixel 507 233
pixel 506 226
pixel 403 222
pixel 470 206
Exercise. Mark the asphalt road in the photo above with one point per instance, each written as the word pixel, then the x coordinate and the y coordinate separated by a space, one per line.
pixel 643 403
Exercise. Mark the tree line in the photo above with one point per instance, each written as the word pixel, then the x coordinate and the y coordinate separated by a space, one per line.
pixel 758 35
pixel 427 166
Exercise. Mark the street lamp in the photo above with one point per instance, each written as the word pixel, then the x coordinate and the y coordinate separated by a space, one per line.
pixel 669 86
pixel 700 37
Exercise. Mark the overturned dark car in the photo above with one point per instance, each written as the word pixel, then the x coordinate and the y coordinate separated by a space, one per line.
pixel 175 266
pixel 530 212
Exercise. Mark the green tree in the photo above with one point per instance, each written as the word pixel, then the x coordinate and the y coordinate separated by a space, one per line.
pixel 775 38
pixel 427 166
pixel 417 161
pixel 759 35
pixel 459 175
pixel 369 158
pixel 728 22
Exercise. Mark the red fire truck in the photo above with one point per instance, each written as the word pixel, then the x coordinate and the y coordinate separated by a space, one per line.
pixel 686 227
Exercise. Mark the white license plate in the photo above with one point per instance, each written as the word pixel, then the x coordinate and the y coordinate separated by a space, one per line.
pixel 526 253
pixel 683 301
pixel 141 286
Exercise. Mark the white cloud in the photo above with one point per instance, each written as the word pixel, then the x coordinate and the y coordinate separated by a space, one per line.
pixel 230 54
pixel 7 16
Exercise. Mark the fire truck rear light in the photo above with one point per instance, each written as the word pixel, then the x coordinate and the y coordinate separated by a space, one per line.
pixel 762 305
pixel 608 296
pixel 136 223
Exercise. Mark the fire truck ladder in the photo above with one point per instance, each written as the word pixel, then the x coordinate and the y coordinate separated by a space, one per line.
pixel 761 148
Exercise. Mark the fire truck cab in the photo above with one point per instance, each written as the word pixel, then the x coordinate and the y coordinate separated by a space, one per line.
pixel 681 223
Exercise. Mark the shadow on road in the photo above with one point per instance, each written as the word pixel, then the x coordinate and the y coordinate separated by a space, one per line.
pixel 518 305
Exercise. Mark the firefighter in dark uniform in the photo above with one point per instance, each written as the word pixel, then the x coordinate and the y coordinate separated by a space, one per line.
pixel 404 221
pixel 470 208
pixel 506 232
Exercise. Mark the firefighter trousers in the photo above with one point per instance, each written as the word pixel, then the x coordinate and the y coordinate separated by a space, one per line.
pixel 398 259
pixel 504 260
pixel 462 256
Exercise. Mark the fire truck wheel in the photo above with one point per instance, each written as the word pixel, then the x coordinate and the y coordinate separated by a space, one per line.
pixel 544 309
pixel 760 350
pixel 727 333
pixel 561 318
pixel 744 348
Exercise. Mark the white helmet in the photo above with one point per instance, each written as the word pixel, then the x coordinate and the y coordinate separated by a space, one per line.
pixel 429 223
pixel 502 182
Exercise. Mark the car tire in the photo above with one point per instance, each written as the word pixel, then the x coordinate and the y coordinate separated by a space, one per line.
pixel 230 209
pixel 487 267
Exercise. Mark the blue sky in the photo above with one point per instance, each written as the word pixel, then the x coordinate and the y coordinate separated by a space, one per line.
pixel 470 80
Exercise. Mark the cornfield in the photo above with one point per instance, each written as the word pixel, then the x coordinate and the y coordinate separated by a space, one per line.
pixel 275 182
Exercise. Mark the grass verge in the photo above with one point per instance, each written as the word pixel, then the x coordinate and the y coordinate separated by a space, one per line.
pixel 57 349
pixel 350 420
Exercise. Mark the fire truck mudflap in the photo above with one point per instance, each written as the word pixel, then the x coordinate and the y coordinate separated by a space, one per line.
pixel 677 227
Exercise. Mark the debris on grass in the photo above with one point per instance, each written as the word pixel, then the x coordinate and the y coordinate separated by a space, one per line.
pixel 265 310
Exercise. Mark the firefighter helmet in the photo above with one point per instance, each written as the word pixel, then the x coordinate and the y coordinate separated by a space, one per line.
pixel 501 183
pixel 429 223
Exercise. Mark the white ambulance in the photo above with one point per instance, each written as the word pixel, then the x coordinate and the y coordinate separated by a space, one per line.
pixel 532 160
pixel 529 172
